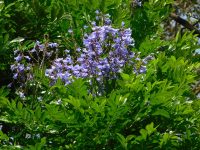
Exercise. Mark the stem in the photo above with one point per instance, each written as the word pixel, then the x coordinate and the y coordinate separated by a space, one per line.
pixel 44 53
pixel 185 23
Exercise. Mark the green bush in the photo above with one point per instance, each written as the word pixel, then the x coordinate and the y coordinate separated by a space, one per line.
pixel 148 111
pixel 154 110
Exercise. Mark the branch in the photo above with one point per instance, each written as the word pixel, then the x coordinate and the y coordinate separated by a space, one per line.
pixel 185 23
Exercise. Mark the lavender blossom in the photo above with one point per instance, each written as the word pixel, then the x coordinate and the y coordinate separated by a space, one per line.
pixel 70 31
pixel 22 67
pixel 53 45
pixel 93 23
pixel 18 58
pixel 104 54
pixel 97 12
pixel 27 57
pixel 85 27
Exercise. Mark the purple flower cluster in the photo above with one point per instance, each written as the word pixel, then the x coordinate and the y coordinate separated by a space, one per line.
pixel 21 66
pixel 136 3
pixel 105 19
pixel 61 68
pixel 104 55
pixel 23 63
pixel 42 52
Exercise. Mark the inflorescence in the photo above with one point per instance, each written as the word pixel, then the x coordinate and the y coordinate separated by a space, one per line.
pixel 105 52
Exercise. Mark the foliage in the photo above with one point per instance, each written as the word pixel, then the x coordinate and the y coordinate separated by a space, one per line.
pixel 6 28
pixel 144 112
pixel 148 18
pixel 153 109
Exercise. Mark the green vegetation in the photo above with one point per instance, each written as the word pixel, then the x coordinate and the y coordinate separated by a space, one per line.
pixel 149 101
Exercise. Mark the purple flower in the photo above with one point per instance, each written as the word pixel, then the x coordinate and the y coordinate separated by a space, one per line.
pixel 97 12
pixel 138 2
pixel 97 17
pixel 78 49
pixel 21 67
pixel 9 85
pixel 21 95
pixel 67 51
pixel 123 24
pixel 15 76
pixel 12 67
pixel 107 21
pixel 105 53
pixel 49 54
pixel 39 46
pixel 85 26
pixel 70 31
pixel 18 58
pixel 27 57
pixel 93 23
pixel 53 45
pixel 142 69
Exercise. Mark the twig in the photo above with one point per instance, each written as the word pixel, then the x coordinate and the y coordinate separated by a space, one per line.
pixel 185 23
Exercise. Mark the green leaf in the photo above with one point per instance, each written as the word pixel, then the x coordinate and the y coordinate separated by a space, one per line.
pixel 150 129
pixel 125 76
pixel 78 88
pixel 53 12
pixel 60 12
pixel 38 113
pixel 122 140
pixel 17 40
pixel 144 133
pixel 164 139
pixel 3 136
pixel 161 112
pixel 19 105
pixel 3 102
pixel 38 146
pixel 6 38
pixel 188 111
pixel 75 102
pixel 130 137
